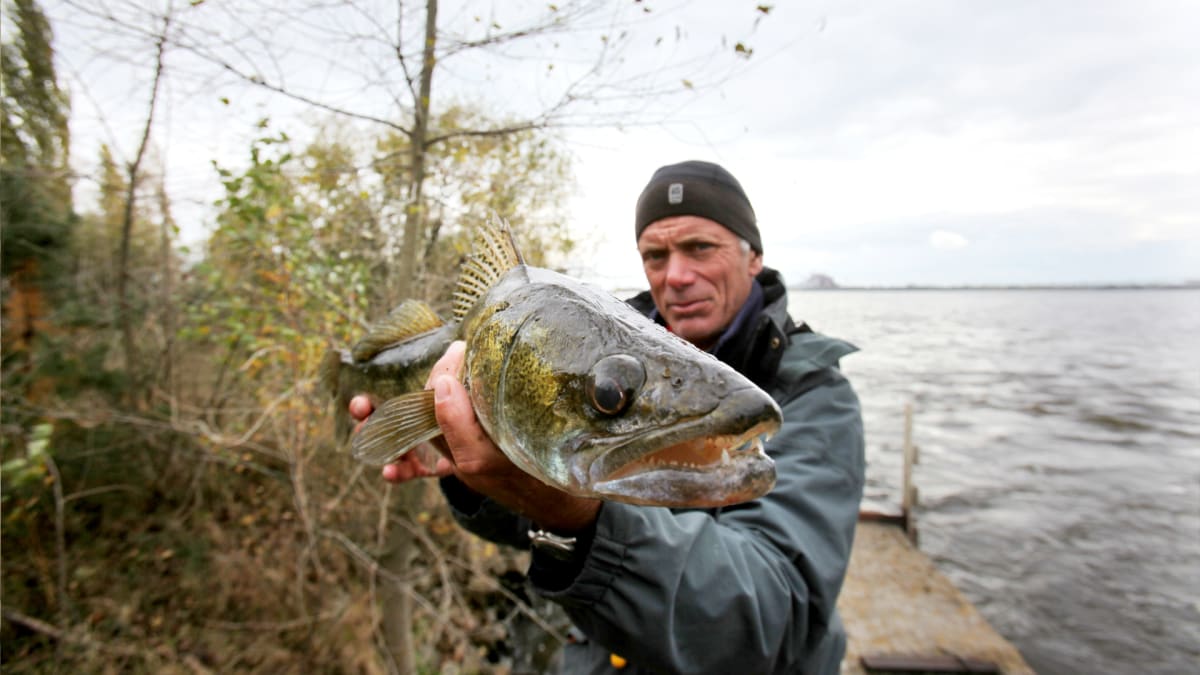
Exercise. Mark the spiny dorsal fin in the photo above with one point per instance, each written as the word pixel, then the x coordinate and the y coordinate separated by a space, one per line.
pixel 410 318
pixel 398 425
pixel 494 253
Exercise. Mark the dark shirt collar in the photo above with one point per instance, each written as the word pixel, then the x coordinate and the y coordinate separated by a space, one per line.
pixel 751 308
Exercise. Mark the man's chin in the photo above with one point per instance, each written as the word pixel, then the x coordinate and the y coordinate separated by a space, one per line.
pixel 695 331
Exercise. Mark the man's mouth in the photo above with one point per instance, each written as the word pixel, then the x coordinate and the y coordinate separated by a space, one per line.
pixel 688 308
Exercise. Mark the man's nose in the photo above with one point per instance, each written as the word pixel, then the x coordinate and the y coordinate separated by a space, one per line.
pixel 679 271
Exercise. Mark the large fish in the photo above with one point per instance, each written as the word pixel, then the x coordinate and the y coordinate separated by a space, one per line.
pixel 577 388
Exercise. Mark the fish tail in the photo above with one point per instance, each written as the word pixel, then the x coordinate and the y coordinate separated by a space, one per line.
pixel 330 382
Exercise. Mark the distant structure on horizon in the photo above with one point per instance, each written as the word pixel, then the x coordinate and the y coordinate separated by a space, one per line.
pixel 819 281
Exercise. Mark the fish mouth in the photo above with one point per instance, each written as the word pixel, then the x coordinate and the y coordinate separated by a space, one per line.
pixel 688 465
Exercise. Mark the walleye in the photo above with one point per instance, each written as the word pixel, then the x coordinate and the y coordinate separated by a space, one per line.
pixel 577 388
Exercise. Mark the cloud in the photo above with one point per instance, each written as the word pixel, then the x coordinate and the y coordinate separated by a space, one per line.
pixel 946 240
pixel 1034 141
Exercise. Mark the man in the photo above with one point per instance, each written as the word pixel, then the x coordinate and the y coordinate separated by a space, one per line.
pixel 749 588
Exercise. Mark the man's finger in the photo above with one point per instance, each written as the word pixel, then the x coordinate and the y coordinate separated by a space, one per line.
pixel 467 440
pixel 409 467
pixel 361 407
pixel 395 472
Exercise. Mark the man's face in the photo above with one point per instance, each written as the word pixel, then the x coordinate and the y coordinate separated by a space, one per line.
pixel 699 275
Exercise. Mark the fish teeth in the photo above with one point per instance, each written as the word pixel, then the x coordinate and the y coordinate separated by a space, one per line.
pixel 725 460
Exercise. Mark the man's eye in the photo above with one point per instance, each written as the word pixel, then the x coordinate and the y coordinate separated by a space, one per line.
pixel 653 255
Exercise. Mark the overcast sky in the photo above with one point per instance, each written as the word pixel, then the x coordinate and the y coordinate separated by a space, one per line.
pixel 949 142
pixel 881 143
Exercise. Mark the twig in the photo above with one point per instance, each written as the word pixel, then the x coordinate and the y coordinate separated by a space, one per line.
pixel 439 558
pixel 91 492
pixel 375 568
pixel 334 505
pixel 376 623
pixel 60 539
pixel 198 427
pixel 373 565
pixel 381 525
pixel 134 169
pixel 520 604
pixel 278 626
pixel 81 638
pixel 304 511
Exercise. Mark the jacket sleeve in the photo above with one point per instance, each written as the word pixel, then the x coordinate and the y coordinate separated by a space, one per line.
pixel 752 588
pixel 483 517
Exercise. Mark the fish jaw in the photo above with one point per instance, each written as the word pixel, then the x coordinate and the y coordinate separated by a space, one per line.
pixel 741 473
pixel 713 460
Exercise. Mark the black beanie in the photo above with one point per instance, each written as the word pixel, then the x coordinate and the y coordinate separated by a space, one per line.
pixel 696 188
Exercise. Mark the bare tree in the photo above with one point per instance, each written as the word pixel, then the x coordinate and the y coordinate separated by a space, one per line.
pixel 124 313
pixel 571 64
pixel 535 67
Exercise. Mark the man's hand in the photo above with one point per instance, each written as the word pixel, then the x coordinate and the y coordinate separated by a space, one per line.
pixel 471 456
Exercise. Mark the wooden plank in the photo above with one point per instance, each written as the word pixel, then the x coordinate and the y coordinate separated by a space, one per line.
pixel 879 664
pixel 895 602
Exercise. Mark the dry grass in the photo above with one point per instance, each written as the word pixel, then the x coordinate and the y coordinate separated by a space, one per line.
pixel 237 564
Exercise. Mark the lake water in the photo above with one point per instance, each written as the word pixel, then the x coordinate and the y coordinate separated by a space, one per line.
pixel 1059 471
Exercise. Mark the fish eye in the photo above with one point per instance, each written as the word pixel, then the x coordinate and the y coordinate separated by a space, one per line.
pixel 613 383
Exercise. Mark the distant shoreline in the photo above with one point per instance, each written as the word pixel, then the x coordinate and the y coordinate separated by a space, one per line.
pixel 1183 286
pixel 1194 285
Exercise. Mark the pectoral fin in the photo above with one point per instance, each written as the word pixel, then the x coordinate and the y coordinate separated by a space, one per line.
pixel 395 427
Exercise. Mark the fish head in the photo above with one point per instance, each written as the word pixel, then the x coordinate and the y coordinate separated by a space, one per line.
pixel 586 394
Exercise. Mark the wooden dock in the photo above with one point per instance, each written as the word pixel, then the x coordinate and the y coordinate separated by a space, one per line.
pixel 901 614
pixel 898 608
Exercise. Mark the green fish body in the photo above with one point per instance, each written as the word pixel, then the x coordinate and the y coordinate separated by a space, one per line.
pixel 577 388
pixel 394 358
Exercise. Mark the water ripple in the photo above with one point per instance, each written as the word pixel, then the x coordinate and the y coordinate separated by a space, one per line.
pixel 1060 458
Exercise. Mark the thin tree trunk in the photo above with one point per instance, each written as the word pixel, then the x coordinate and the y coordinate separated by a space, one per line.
pixel 167 377
pixel 395 596
pixel 397 600
pixel 124 309
pixel 415 213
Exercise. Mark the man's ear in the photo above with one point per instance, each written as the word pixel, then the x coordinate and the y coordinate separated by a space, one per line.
pixel 756 263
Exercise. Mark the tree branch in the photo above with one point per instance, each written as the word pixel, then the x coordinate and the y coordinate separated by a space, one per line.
pixel 258 81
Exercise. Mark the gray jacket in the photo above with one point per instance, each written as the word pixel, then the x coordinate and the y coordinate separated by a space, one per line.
pixel 750 588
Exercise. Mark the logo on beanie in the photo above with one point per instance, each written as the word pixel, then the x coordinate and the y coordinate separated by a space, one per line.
pixel 675 193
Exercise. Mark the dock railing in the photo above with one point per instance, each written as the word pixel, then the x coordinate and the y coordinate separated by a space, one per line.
pixel 907 517
pixel 908 499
